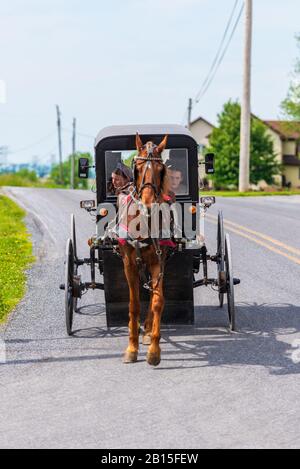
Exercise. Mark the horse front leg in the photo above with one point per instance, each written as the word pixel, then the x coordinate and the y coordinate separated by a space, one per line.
pixel 132 276
pixel 148 324
pixel 157 306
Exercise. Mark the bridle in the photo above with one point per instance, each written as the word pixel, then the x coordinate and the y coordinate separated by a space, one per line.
pixel 148 160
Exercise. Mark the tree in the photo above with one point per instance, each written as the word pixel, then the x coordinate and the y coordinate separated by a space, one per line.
pixel 79 183
pixel 291 105
pixel 27 174
pixel 225 143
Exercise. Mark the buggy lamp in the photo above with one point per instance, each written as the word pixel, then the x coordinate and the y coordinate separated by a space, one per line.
pixel 87 204
pixel 103 212
pixel 193 209
pixel 92 241
pixel 207 201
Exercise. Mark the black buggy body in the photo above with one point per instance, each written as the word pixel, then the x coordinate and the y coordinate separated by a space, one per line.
pixel 114 146
pixel 178 280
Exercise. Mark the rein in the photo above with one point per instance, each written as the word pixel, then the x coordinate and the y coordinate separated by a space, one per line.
pixel 138 191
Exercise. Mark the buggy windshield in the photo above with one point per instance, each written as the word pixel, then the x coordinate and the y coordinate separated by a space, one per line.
pixel 118 169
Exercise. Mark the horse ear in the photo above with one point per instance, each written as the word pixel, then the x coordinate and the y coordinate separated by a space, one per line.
pixel 138 142
pixel 161 147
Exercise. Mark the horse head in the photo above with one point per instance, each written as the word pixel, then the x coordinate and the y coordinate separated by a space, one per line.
pixel 150 172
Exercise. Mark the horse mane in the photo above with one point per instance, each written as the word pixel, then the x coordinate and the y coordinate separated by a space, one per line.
pixel 165 183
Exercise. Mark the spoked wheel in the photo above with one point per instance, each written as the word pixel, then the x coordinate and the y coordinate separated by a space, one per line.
pixel 70 302
pixel 221 258
pixel 73 238
pixel 229 283
pixel 73 235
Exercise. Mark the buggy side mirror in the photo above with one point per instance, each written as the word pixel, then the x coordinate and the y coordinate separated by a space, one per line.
pixel 83 168
pixel 209 163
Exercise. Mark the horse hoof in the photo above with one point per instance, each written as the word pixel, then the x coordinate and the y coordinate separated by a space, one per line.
pixel 146 339
pixel 130 357
pixel 153 359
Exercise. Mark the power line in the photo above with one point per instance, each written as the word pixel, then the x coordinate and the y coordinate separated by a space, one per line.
pixel 218 51
pixel 85 135
pixel 65 129
pixel 184 117
pixel 47 154
pixel 223 54
pixel 32 144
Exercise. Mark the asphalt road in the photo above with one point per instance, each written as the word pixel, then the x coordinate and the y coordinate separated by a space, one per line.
pixel 213 389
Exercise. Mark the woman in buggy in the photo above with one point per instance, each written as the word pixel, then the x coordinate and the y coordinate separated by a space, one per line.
pixel 121 176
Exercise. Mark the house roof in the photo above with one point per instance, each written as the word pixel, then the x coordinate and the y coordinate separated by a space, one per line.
pixel 291 160
pixel 286 129
pixel 202 119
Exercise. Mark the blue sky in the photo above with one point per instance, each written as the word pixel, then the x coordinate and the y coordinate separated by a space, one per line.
pixel 130 61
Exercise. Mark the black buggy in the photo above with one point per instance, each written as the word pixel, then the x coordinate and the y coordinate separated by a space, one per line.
pixel 115 146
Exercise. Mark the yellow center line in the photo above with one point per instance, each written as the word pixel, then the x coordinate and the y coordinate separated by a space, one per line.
pixel 257 241
pixel 260 235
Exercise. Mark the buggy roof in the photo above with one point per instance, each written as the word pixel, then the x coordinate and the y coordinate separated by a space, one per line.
pixel 151 129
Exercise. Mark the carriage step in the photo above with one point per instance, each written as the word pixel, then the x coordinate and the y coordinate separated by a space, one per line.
pixel 62 286
pixel 236 281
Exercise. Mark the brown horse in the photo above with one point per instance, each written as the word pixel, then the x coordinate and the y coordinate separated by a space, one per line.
pixel 150 186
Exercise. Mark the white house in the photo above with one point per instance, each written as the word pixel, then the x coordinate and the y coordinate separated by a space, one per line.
pixel 286 142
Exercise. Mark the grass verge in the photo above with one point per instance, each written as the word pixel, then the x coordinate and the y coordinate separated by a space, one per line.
pixel 15 255
pixel 247 194
pixel 20 181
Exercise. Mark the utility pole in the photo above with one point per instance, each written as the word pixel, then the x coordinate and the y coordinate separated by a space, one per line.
pixel 61 178
pixel 190 106
pixel 3 155
pixel 244 174
pixel 73 155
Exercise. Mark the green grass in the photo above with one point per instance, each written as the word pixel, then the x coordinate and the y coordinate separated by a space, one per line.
pixel 15 255
pixel 248 194
pixel 20 181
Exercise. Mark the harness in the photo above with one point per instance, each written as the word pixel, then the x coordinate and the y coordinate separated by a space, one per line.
pixel 134 194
